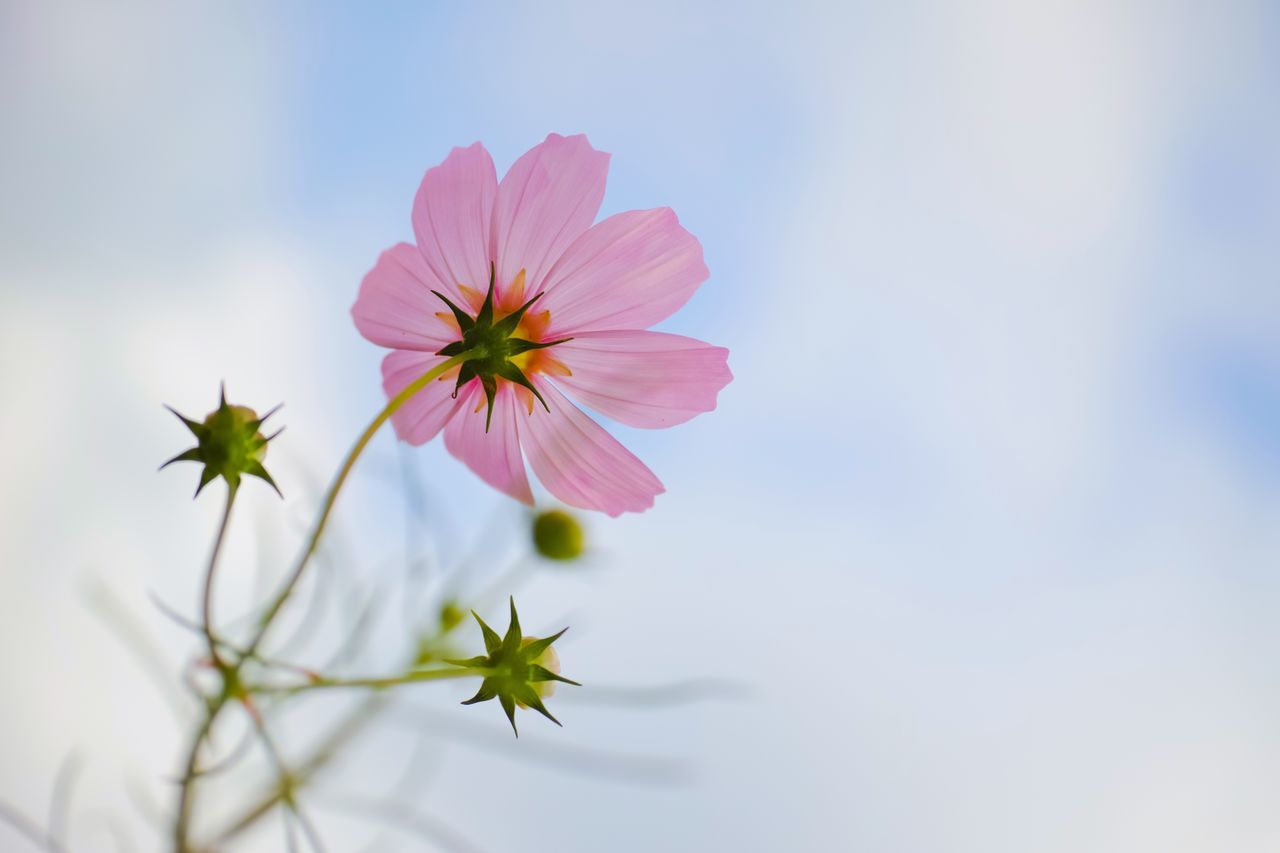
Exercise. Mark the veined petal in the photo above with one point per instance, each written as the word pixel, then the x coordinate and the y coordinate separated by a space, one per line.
pixel 452 217
pixel 579 462
pixel 426 412
pixel 494 456
pixel 628 272
pixel 548 198
pixel 643 379
pixel 396 308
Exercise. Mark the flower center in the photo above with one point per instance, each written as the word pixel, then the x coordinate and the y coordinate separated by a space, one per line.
pixel 491 347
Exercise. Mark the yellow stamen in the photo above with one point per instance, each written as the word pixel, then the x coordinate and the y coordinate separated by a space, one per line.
pixel 533 325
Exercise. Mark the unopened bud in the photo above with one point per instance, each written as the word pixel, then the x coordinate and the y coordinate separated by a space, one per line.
pixel 557 535
pixel 229 444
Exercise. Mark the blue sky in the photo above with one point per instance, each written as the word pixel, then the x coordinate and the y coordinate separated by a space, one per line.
pixel 988 513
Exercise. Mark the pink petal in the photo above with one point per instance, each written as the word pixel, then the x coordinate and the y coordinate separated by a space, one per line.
pixel 426 412
pixel 643 379
pixel 579 462
pixel 396 308
pixel 548 198
pixel 452 216
pixel 494 456
pixel 628 272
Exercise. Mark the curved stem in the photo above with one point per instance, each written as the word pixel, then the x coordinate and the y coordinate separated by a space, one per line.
pixel 183 822
pixel 393 405
pixel 207 604
pixel 231 673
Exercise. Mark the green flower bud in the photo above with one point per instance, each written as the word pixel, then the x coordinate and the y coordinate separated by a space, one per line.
pixel 557 535
pixel 519 669
pixel 451 616
pixel 229 444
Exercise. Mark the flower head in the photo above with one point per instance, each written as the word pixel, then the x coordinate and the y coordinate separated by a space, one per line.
pixel 521 670
pixel 229 444
pixel 546 306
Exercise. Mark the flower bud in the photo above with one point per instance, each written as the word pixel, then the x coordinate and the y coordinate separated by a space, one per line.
pixel 557 535
pixel 229 444
pixel 451 616
pixel 517 669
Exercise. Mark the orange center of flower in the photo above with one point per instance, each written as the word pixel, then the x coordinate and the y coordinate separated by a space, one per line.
pixel 503 341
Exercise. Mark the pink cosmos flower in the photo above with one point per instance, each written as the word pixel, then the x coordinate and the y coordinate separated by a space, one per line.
pixel 516 271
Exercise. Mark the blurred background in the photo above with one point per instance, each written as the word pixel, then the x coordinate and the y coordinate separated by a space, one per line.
pixel 987 520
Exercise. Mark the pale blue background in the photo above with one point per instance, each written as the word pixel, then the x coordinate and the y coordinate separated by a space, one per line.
pixel 988 516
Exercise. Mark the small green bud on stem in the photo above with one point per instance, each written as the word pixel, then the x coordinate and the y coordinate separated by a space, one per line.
pixel 518 669
pixel 229 444
pixel 557 535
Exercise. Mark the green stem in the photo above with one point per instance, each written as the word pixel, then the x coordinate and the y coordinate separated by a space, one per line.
pixel 231 674
pixel 390 409
pixel 375 683
pixel 183 823
pixel 207 605
pixel 182 826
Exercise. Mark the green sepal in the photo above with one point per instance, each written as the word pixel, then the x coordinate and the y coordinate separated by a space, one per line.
pixel 199 430
pixel 509 706
pixel 207 476
pixel 515 637
pixel 470 663
pixel 466 373
pixel 484 317
pixel 464 319
pixel 511 373
pixel 537 647
pixel 492 642
pixel 508 324
pixel 529 697
pixel 538 672
pixel 520 345
pixel 490 386
pixel 255 469
pixel 486 692
pixel 262 419
pixel 192 455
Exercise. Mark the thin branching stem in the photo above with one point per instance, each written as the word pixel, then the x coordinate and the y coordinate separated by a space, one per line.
pixel 231 673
